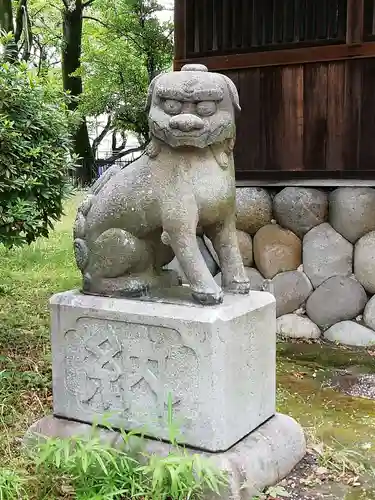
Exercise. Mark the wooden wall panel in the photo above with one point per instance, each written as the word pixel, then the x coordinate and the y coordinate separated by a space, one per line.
pixel 352 110
pixel 308 121
pixel 291 119
pixel 270 105
pixel 248 146
pixel 305 71
pixel 335 116
pixel 315 105
pixel 367 130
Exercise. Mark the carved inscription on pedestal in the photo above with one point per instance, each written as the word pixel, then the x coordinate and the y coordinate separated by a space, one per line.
pixel 127 368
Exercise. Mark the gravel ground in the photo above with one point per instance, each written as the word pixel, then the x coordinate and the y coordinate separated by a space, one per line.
pixel 309 481
pixel 365 387
pixel 362 386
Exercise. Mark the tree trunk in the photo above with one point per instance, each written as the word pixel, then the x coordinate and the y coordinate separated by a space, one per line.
pixel 6 16
pixel 71 62
pixel 6 24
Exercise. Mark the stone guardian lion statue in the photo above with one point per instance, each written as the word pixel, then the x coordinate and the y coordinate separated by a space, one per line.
pixel 137 219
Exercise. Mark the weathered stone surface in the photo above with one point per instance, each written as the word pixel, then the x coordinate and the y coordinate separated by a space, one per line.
pixel 245 244
pixel 364 261
pixel 254 209
pixel 276 250
pixel 350 333
pixel 297 327
pixel 260 460
pixel 300 209
pixel 337 299
pixel 325 254
pixel 121 358
pixel 256 279
pixel 369 314
pixel 351 211
pixel 291 290
pixel 135 220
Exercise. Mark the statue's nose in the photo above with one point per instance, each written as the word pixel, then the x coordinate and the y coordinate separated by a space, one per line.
pixel 186 122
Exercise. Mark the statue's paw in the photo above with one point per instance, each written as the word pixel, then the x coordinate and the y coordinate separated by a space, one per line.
pixel 239 287
pixel 208 298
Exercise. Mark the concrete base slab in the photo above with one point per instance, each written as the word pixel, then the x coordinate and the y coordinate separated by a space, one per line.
pixel 259 460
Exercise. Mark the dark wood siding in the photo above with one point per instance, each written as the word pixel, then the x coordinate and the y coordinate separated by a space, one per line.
pixel 217 27
pixel 306 121
pixel 369 19
pixel 305 71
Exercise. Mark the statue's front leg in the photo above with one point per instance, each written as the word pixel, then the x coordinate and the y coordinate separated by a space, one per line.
pixel 224 239
pixel 180 234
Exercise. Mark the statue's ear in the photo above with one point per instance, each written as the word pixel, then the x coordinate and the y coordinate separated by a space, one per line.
pixel 232 92
pixel 151 89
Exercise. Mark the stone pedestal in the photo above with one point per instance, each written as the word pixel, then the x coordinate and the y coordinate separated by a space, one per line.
pixel 126 361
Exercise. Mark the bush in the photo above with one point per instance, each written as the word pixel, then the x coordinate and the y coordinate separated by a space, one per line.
pixel 35 145
pixel 11 485
pixel 92 470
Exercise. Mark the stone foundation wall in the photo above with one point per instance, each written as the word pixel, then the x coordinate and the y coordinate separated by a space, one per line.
pixel 315 250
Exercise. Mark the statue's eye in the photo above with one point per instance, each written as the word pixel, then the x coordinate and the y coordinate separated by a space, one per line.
pixel 206 108
pixel 172 107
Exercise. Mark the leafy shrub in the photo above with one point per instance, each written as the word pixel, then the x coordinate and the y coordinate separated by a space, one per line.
pixel 11 485
pixel 35 145
pixel 94 470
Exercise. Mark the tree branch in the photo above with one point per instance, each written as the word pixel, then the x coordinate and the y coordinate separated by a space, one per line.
pixel 65 2
pixel 119 34
pixel 91 18
pixel 102 134
pixel 19 20
pixel 116 149
pixel 119 155
pixel 86 4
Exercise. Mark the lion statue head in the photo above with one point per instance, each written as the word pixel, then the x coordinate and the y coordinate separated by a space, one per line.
pixel 192 107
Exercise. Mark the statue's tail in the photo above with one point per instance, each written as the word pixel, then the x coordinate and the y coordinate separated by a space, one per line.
pixel 80 245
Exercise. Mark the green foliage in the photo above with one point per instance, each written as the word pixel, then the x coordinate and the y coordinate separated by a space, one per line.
pixel 95 470
pixel 11 485
pixel 124 46
pixel 34 155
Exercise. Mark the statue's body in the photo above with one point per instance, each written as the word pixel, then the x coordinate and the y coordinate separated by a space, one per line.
pixel 137 219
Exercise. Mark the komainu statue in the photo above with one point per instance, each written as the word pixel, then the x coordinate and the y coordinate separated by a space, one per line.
pixel 138 218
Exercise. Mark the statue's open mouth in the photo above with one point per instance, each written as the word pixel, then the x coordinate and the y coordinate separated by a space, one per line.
pixel 187 135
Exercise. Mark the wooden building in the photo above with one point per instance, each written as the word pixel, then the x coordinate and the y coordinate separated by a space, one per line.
pixel 305 71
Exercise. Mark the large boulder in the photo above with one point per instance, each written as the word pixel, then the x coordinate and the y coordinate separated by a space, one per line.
pixel 256 279
pixel 351 211
pixel 291 289
pixel 296 327
pixel 350 333
pixel 300 209
pixel 369 314
pixel 337 299
pixel 325 254
pixel 254 209
pixel 276 250
pixel 364 261
pixel 245 244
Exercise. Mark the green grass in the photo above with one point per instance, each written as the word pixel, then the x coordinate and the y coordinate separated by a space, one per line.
pixel 28 278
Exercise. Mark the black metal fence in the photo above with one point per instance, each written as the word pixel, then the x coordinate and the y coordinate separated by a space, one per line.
pixel 123 162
